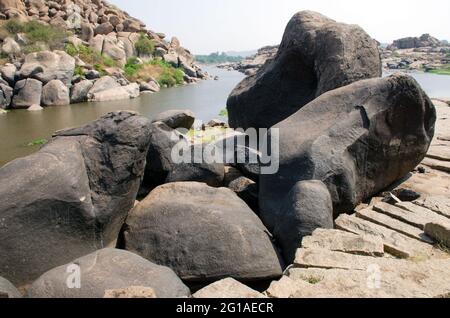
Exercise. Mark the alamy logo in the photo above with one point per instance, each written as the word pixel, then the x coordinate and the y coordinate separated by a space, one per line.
pixel 233 146
pixel 73 280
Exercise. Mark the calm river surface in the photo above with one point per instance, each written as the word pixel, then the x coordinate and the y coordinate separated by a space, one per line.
pixel 20 127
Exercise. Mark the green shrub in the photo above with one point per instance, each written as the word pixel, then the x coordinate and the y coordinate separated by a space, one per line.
pixel 14 26
pixel 132 67
pixel 224 113
pixel 144 46
pixel 171 77
pixel 37 142
pixel 79 71
pixel 71 49
pixel 38 32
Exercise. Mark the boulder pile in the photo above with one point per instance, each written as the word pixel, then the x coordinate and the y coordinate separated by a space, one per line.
pixel 111 203
pixel 98 27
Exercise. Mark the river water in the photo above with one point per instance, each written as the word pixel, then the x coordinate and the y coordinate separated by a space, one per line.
pixel 19 128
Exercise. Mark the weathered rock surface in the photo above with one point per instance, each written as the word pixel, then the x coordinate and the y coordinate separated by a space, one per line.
pixel 227 288
pixel 6 95
pixel 247 190
pixel 176 118
pixel 7 290
pixel 358 140
pixel 395 243
pixel 105 270
pixel 131 292
pixel 202 233
pixel 309 63
pixel 307 207
pixel 91 176
pixel 55 93
pixel 439 232
pixel 159 158
pixel 46 66
pixel 79 91
pixel 27 92
pixel 340 241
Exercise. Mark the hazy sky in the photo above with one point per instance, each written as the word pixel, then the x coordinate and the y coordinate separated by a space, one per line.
pixel 205 26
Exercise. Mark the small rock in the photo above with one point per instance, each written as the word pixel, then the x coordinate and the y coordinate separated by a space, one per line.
pixel 227 288
pixel 176 118
pixel 439 232
pixel 33 108
pixel 131 292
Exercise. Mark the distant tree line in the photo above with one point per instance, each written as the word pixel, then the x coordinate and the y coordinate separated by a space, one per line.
pixel 216 58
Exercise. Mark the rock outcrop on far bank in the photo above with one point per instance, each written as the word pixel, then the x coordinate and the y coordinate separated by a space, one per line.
pixel 83 40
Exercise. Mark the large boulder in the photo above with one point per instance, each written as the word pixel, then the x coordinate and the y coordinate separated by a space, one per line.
pixel 357 140
pixel 71 197
pixel 79 91
pixel 103 84
pixel 307 207
pixel 316 55
pixel 176 118
pixel 55 93
pixel 202 233
pixel 7 290
pixel 27 92
pixel 46 66
pixel 105 270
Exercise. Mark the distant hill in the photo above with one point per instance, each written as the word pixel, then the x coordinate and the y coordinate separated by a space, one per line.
pixel 242 53
pixel 217 58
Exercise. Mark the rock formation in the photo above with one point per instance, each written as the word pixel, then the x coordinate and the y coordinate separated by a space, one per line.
pixel 309 63
pixel 79 188
pixel 101 31
pixel 357 139
pixel 202 233
pixel 105 270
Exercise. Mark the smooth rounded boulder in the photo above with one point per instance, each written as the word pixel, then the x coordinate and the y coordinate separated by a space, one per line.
pixel 316 55
pixel 7 290
pixel 72 196
pixel 176 118
pixel 104 270
pixel 202 233
pixel 307 207
pixel 55 93
pixel 357 140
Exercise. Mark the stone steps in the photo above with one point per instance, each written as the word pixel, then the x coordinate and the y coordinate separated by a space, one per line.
pixel 349 261
pixel 383 250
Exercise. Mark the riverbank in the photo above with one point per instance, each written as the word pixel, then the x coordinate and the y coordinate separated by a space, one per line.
pixel 22 127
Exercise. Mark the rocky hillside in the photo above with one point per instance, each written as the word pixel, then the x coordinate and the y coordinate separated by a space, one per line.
pixel 60 52
pixel 425 40
pixel 424 53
